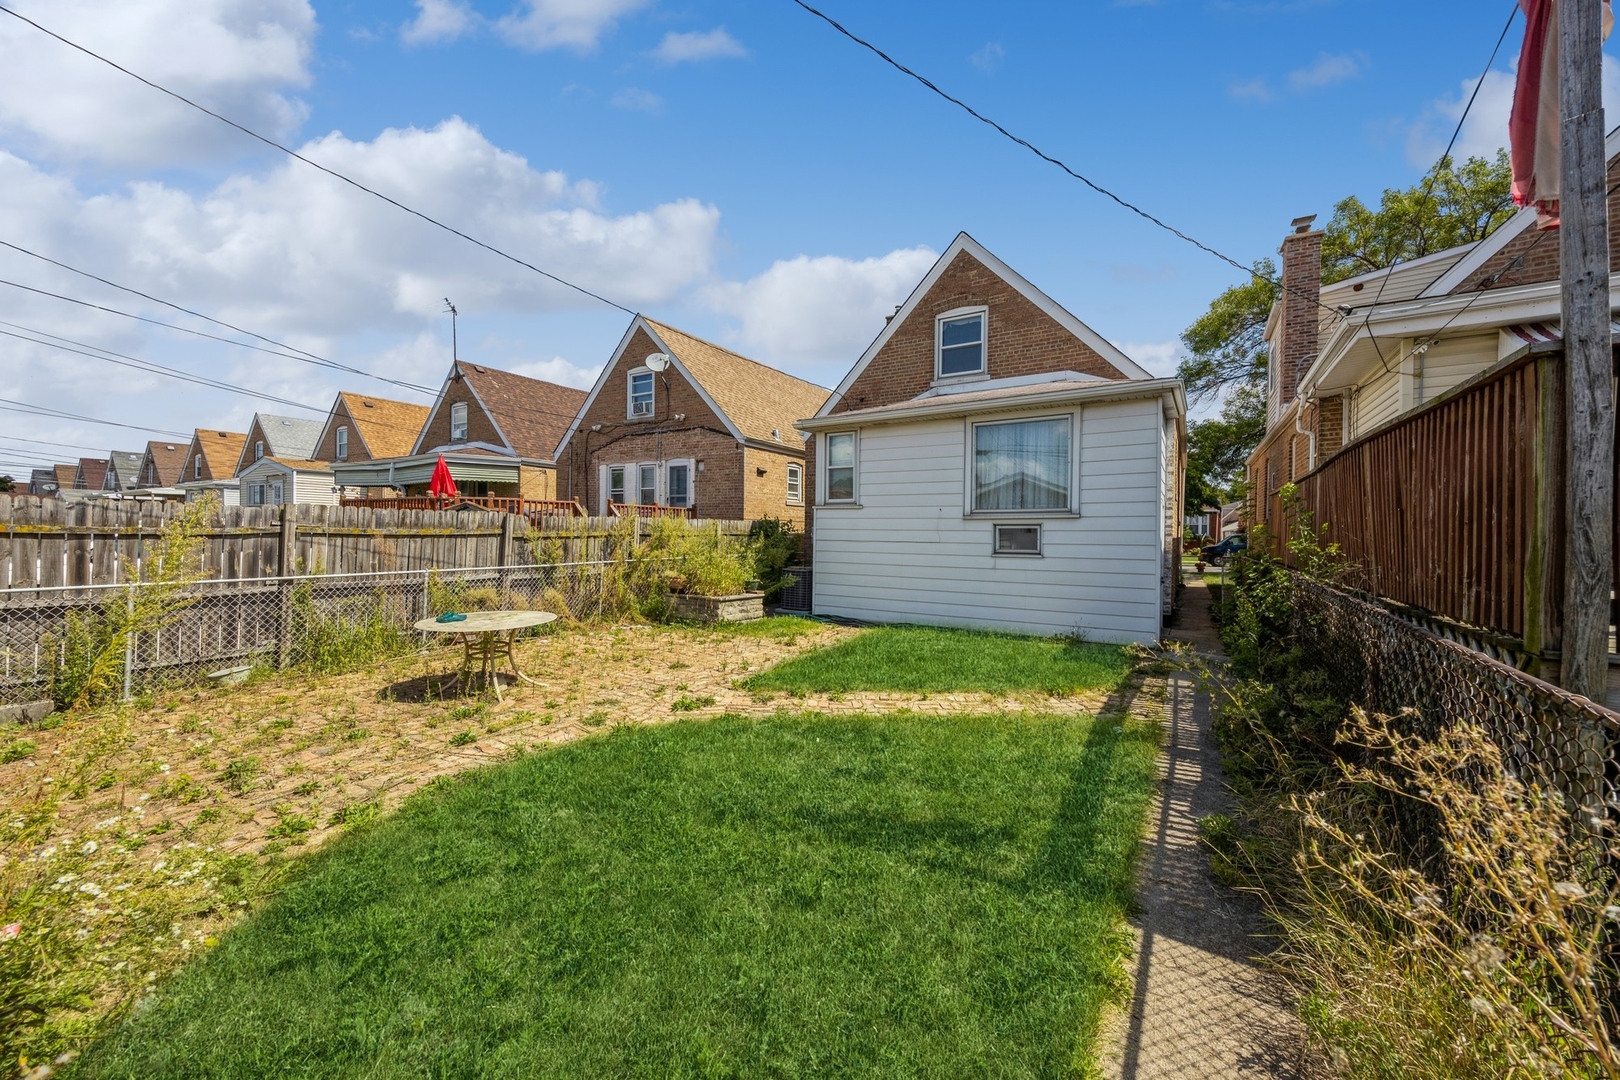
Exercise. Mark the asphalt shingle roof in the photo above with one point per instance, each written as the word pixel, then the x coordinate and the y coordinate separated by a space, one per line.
pixel 532 413
pixel 289 437
pixel 387 428
pixel 762 402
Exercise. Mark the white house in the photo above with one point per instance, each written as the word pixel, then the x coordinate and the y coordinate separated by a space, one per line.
pixel 273 481
pixel 993 462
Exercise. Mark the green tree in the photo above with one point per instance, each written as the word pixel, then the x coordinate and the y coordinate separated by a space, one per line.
pixel 7 483
pixel 1227 356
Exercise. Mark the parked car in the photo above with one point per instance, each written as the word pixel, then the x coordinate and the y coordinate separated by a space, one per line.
pixel 1233 544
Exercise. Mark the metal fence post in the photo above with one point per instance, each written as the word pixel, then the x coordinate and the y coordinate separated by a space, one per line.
pixel 129 643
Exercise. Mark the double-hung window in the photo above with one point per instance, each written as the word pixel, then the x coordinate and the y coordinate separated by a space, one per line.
pixel 341 442
pixel 458 422
pixel 1023 465
pixel 647 485
pixel 960 344
pixel 841 467
pixel 795 483
pixel 258 449
pixel 678 484
pixel 196 468
pixel 615 484
pixel 640 403
pixel 255 494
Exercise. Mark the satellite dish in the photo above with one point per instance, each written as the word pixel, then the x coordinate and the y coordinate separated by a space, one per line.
pixel 658 361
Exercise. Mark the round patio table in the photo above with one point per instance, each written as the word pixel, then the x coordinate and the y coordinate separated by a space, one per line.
pixel 485 636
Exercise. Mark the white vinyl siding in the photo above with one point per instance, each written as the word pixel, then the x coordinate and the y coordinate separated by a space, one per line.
pixel 299 487
pixel 908 553
pixel 1377 402
pixel 1452 362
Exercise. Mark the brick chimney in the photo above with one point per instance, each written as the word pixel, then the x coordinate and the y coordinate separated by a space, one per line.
pixel 1302 287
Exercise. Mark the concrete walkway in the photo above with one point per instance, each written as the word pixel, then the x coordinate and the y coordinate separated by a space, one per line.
pixel 1200 1007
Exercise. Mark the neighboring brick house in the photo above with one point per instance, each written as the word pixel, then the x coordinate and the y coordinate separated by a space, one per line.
pixel 363 428
pixel 1351 357
pixel 285 437
pixel 712 433
pixel 992 461
pixel 497 431
pixel 91 474
pixel 161 466
pixel 211 464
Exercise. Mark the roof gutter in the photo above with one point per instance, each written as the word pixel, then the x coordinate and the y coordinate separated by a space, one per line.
pixel 944 407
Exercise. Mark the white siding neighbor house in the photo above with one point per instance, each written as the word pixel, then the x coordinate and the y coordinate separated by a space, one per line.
pixel 1001 466
pixel 276 481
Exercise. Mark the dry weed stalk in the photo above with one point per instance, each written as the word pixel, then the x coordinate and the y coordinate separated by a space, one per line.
pixel 1512 921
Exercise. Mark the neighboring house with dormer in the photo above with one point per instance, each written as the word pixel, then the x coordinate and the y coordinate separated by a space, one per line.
pixel 1350 358
pixel 285 437
pixel 992 461
pixel 161 468
pixel 211 465
pixel 711 434
pixel 91 474
pixel 361 428
pixel 497 431
pixel 123 470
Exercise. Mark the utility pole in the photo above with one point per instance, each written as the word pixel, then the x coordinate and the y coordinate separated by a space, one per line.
pixel 1584 269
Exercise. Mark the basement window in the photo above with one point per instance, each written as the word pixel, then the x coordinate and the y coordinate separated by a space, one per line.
pixel 1018 540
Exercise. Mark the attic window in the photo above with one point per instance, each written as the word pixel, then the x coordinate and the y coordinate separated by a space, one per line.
pixel 959 337
pixel 341 443
pixel 258 449
pixel 458 422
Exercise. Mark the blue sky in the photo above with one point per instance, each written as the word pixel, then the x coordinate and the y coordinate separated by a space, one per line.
pixel 735 168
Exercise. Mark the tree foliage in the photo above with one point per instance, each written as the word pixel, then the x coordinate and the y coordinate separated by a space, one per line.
pixel 1450 206
pixel 1227 357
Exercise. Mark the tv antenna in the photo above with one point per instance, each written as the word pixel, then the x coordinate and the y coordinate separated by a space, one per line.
pixel 451 308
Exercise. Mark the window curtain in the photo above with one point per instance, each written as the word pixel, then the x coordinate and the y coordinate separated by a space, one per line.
pixel 1021 466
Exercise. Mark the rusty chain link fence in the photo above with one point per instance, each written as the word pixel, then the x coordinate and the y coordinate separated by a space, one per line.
pixel 1386 664
pixel 220 630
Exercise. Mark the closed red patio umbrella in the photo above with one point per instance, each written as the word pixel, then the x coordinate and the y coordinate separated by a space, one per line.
pixel 443 485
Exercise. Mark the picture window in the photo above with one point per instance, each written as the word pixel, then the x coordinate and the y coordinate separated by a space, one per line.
pixel 1022 464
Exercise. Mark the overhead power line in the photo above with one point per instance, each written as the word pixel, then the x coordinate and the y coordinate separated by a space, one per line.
pixel 8 405
pixel 313 358
pixel 315 164
pixel 1037 151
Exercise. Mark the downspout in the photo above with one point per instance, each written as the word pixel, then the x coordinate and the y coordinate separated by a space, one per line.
pixel 1310 451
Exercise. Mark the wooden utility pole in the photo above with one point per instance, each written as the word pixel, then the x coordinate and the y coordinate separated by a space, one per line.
pixel 1584 266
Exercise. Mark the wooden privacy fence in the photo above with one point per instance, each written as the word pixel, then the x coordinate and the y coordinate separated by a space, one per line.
pixel 1456 509
pixel 529 508
pixel 46 543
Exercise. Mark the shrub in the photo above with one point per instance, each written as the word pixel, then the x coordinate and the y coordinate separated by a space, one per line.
pixel 346 633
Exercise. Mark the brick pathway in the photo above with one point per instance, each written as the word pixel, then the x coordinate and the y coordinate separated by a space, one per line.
pixel 1201 1008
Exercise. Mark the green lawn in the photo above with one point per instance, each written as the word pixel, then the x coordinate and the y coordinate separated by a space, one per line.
pixel 932 659
pixel 798 896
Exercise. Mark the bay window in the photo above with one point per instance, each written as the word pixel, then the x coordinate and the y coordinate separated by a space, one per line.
pixel 1022 465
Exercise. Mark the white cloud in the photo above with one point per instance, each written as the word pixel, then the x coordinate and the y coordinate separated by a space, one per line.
pixel 1327 70
pixel 294 250
pixel 817 314
pixel 1485 130
pixel 989 58
pixel 559 370
pixel 1250 90
pixel 564 24
pixel 637 100
pixel 240 57
pixel 698 45
pixel 1159 357
pixel 438 20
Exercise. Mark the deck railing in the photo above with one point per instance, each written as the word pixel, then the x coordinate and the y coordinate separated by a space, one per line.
pixel 647 511
pixel 499 504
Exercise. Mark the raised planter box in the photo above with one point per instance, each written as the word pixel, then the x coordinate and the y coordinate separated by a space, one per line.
pixel 741 607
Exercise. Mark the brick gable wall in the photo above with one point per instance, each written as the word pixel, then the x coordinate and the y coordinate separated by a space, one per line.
pixel 1022 339
pixel 479 426
pixel 1540 251
pixel 327 450
pixel 729 485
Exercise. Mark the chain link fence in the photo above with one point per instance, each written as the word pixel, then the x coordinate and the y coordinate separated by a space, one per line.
pixel 220 630
pixel 1388 665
